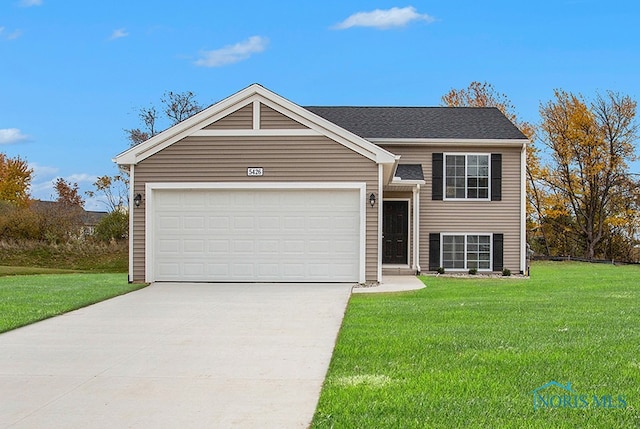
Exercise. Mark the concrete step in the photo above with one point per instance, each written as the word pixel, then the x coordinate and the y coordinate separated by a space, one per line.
pixel 397 270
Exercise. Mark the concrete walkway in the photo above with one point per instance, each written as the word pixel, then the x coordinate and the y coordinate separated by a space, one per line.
pixel 393 284
pixel 176 356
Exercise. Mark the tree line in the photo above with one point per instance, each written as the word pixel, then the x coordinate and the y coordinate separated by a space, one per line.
pixel 61 220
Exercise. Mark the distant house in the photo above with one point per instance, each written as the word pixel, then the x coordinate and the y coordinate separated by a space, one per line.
pixel 86 219
pixel 258 188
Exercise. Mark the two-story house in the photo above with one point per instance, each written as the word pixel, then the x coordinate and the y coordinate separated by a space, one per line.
pixel 256 188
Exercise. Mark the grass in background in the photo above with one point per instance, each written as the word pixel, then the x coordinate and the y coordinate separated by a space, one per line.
pixel 22 271
pixel 80 255
pixel 469 352
pixel 28 299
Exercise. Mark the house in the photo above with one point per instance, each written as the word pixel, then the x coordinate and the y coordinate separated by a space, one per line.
pixel 85 220
pixel 257 188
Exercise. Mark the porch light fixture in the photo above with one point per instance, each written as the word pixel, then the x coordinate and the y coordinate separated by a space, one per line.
pixel 137 200
pixel 372 199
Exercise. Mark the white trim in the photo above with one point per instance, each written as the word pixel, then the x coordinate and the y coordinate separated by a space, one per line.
pixel 132 208
pixel 380 202
pixel 256 115
pixel 466 234
pixel 416 228
pixel 466 165
pixel 409 262
pixel 447 142
pixel 523 210
pixel 151 187
pixel 256 133
pixel 240 99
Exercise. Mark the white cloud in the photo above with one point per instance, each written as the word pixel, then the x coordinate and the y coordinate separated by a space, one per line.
pixel 118 34
pixel 384 19
pixel 10 36
pixel 80 178
pixel 233 53
pixel 42 171
pixel 12 135
pixel 29 3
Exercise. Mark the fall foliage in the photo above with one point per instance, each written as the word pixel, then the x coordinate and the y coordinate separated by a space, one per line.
pixel 590 146
pixel 15 179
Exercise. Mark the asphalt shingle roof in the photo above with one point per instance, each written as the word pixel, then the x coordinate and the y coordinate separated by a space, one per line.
pixel 410 172
pixel 421 122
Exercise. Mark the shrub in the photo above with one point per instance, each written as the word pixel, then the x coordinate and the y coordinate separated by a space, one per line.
pixel 473 271
pixel 440 270
pixel 506 272
pixel 113 226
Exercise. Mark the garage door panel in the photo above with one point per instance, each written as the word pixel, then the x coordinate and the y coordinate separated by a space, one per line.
pixel 256 235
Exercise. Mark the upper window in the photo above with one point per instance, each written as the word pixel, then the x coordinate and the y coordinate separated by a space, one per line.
pixel 467 176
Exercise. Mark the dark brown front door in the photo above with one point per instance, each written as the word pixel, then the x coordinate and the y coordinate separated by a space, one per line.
pixel 395 232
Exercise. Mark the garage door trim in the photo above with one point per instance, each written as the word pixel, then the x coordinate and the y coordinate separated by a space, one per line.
pixel 150 275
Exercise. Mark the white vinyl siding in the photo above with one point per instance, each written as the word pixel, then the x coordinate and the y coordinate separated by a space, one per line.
pixel 467 176
pixel 466 251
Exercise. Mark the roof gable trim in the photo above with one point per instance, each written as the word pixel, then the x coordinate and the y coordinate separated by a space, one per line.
pixel 251 94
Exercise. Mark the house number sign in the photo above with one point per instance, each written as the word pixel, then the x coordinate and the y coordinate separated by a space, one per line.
pixel 255 171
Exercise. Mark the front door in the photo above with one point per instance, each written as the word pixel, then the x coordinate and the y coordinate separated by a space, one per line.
pixel 395 232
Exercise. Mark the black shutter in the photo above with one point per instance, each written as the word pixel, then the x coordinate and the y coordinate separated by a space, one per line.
pixel 436 176
pixel 498 252
pixel 496 177
pixel 434 251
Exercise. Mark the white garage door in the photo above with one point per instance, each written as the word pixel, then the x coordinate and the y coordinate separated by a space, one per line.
pixel 248 235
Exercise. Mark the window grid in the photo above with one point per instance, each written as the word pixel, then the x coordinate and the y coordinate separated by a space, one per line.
pixel 466 251
pixel 467 176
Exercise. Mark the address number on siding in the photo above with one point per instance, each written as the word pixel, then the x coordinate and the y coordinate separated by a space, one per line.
pixel 255 171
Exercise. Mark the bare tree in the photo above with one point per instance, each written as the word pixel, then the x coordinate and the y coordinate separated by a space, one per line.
pixel 177 106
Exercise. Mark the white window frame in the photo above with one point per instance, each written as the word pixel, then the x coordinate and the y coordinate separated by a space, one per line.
pixel 466 235
pixel 466 176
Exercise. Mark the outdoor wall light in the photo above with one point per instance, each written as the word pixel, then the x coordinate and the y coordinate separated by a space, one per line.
pixel 372 199
pixel 137 200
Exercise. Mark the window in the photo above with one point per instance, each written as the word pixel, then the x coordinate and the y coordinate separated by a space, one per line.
pixel 466 251
pixel 467 176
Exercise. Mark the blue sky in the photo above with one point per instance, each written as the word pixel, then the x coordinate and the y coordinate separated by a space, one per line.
pixel 73 73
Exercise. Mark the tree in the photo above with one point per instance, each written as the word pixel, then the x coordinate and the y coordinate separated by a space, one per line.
pixel 15 179
pixel 115 190
pixel 177 106
pixel 590 146
pixel 114 226
pixel 68 193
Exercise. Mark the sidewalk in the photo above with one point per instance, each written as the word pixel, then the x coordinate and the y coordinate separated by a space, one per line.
pixel 392 284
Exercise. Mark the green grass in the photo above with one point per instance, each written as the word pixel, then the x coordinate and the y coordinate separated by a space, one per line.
pixel 469 352
pixel 30 298
pixel 20 271
pixel 79 255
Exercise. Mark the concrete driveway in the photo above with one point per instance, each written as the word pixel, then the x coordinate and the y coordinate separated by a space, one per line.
pixel 176 356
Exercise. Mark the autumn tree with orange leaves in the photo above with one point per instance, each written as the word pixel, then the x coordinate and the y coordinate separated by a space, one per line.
pixel 15 179
pixel 590 145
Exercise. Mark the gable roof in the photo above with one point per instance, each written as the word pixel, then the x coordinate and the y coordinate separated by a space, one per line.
pixel 255 93
pixel 476 123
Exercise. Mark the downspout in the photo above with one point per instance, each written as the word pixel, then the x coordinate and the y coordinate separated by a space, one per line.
pixel 380 185
pixel 416 228
pixel 523 209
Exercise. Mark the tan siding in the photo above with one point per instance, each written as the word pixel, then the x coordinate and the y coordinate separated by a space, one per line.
pixel 271 119
pixel 284 159
pixel 466 216
pixel 241 119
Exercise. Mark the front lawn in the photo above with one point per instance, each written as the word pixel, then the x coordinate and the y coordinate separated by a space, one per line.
pixel 470 353
pixel 27 299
